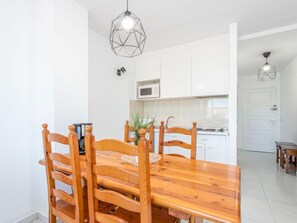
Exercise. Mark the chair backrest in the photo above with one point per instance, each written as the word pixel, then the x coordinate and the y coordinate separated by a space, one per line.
pixel 190 132
pixel 73 161
pixel 96 173
pixel 149 130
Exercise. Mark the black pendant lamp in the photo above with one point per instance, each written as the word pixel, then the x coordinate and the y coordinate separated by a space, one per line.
pixel 267 71
pixel 127 36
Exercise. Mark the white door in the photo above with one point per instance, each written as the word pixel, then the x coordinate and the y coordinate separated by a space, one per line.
pixel 260 120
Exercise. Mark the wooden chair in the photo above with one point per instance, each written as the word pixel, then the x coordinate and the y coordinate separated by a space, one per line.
pixel 190 132
pixel 192 147
pixel 149 130
pixel 129 210
pixel 68 207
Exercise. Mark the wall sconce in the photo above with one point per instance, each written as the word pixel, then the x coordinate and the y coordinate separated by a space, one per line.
pixel 120 71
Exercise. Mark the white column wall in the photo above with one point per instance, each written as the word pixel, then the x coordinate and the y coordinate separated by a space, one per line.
pixel 233 95
pixel 70 64
pixel 109 94
pixel 288 101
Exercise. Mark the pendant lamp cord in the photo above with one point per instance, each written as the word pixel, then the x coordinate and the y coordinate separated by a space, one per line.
pixel 127 6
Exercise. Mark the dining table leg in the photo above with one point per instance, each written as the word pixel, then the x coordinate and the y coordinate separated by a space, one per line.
pixel 277 153
pixel 282 159
pixel 194 219
pixel 287 161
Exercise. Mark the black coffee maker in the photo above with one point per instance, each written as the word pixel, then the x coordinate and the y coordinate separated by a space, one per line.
pixel 80 130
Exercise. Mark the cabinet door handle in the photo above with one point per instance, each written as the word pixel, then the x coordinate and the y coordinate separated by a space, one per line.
pixel 204 140
pixel 210 147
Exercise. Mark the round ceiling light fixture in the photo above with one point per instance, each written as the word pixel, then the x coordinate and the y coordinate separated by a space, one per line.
pixel 267 71
pixel 127 35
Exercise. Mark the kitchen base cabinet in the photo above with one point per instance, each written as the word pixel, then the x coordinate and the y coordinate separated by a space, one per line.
pixel 200 152
pixel 215 153
pixel 212 148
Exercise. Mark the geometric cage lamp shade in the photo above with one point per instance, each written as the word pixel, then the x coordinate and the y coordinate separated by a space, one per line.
pixel 267 71
pixel 127 35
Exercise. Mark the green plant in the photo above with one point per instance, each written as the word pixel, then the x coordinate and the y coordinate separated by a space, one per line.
pixel 138 122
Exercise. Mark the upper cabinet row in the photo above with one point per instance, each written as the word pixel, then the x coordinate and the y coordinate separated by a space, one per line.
pixel 199 68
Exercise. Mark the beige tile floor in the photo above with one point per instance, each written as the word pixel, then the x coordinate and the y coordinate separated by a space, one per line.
pixel 268 194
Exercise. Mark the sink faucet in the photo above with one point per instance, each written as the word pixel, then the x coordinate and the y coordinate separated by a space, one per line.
pixel 167 120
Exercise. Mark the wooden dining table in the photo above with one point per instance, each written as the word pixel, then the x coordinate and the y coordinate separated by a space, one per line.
pixel 204 189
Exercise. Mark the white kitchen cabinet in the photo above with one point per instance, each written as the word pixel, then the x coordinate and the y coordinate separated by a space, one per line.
pixel 175 72
pixel 210 66
pixel 156 142
pixel 213 148
pixel 215 153
pixel 200 152
pixel 148 66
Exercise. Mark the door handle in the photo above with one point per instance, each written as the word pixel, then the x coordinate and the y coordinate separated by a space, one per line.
pixel 274 108
pixel 273 121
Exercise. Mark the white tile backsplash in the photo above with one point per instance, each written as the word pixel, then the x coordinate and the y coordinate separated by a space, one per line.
pixel 207 112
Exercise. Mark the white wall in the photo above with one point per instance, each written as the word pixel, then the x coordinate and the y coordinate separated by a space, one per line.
pixel 70 64
pixel 251 82
pixel 109 94
pixel 288 100
pixel 16 111
pixel 44 78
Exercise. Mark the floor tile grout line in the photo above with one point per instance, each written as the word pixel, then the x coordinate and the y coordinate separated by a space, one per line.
pixel 264 192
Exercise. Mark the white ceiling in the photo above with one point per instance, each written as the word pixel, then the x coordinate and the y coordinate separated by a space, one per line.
pixel 283 48
pixel 172 22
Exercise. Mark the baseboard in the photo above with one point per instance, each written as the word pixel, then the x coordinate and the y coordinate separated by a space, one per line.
pixel 29 218
pixel 42 218
pixel 33 217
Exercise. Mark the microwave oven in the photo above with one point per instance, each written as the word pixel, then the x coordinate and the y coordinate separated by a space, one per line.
pixel 148 91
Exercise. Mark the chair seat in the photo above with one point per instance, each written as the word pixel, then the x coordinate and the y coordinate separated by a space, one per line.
pixel 159 215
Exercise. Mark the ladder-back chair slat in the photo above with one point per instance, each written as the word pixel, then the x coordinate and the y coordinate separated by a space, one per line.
pixel 56 137
pixel 117 199
pixel 107 218
pixel 58 157
pixel 117 173
pixel 178 130
pixel 116 146
pixel 64 196
pixel 62 177
pixel 177 143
